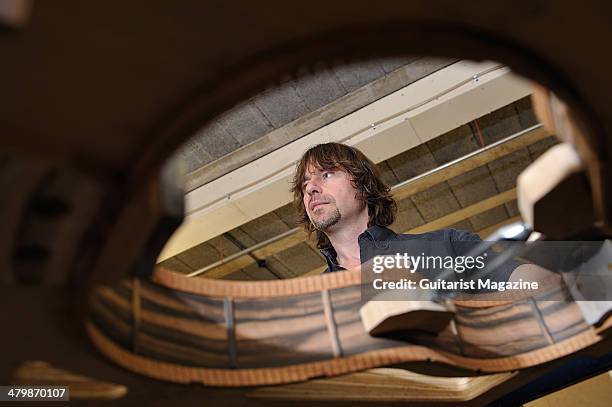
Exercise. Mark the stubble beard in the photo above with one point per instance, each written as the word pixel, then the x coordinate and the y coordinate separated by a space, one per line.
pixel 328 221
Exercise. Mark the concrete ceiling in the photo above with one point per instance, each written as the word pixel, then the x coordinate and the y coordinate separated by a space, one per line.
pixel 297 107
pixel 294 108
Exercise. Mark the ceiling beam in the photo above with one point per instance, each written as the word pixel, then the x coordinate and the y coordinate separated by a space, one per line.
pixel 467 212
pixel 489 230
pixel 470 161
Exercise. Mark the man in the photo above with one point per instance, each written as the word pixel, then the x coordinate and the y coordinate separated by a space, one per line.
pixel 340 196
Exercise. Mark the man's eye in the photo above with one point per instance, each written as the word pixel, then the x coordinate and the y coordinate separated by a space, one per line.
pixel 327 174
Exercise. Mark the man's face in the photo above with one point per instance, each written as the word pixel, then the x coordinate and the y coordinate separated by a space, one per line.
pixel 330 198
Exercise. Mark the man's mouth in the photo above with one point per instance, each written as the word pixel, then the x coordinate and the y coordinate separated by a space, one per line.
pixel 313 206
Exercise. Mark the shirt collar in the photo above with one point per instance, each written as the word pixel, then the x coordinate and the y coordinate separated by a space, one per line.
pixel 377 233
pixel 373 233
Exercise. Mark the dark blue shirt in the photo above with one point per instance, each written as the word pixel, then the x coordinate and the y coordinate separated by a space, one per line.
pixel 382 236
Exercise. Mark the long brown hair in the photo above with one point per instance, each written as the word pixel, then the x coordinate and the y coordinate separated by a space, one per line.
pixel 365 178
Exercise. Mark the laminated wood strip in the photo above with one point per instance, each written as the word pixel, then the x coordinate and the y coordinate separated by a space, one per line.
pixel 255 289
pixel 551 283
pixel 327 281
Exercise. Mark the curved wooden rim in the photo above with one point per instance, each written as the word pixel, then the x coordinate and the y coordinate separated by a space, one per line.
pixel 547 285
pixel 300 372
pixel 303 285
pixel 255 289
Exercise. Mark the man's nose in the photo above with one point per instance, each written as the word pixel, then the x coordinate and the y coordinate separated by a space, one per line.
pixel 313 187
